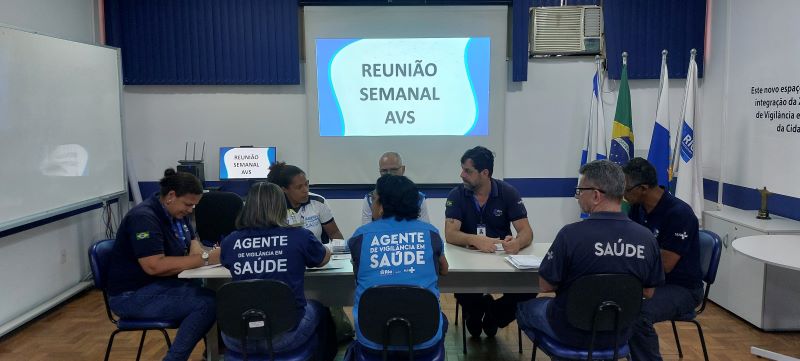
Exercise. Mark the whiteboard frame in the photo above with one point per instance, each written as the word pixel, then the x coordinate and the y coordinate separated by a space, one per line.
pixel 103 199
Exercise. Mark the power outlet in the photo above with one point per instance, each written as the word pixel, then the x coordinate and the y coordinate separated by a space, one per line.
pixel 63 258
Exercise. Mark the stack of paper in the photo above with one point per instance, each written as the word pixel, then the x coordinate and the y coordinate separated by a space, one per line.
pixel 524 261
pixel 339 246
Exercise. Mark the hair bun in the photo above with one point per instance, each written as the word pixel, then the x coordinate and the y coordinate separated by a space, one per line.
pixel 277 165
pixel 169 172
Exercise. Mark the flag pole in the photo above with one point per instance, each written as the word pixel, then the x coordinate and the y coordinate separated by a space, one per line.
pixel 598 61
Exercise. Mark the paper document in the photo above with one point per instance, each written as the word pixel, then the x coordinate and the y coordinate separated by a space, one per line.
pixel 524 261
pixel 327 266
pixel 209 266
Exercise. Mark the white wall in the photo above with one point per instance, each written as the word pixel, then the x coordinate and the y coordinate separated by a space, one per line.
pixel 41 263
pixel 757 154
pixel 65 19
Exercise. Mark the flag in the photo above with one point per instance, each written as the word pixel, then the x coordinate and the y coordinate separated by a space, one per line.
pixel 595 144
pixel 659 154
pixel 687 166
pixel 622 130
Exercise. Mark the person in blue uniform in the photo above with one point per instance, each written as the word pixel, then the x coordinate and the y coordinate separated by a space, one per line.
pixel 154 243
pixel 396 205
pixel 265 247
pixel 479 214
pixel 676 229
pixel 606 242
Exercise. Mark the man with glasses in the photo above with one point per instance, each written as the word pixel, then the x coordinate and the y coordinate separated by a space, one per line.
pixel 605 242
pixel 676 229
pixel 391 163
pixel 479 214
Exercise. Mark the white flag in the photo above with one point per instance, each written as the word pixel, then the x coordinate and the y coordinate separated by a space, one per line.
pixel 659 154
pixel 595 143
pixel 687 165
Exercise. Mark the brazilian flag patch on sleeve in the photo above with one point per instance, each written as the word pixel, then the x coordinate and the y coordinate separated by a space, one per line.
pixel 449 204
pixel 142 235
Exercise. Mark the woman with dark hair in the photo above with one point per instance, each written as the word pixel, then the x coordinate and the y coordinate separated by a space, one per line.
pixel 309 210
pixel 154 243
pixel 265 247
pixel 395 205
pixel 306 209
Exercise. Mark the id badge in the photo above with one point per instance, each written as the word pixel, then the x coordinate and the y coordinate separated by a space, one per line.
pixel 481 230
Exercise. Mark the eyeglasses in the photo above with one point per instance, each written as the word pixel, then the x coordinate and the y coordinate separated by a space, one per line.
pixel 393 171
pixel 578 190
pixel 633 187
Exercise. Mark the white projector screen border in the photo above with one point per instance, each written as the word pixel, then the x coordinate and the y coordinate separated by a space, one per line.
pixel 60 126
pixel 429 159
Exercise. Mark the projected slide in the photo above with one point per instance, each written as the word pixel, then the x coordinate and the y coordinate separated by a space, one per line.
pixel 245 162
pixel 399 87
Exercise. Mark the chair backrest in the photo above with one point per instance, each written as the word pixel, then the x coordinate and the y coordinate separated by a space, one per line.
pixel 589 296
pixel 215 215
pixel 256 308
pixel 710 250
pixel 382 307
pixel 99 254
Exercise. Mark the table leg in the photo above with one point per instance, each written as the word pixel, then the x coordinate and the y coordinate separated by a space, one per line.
pixel 212 344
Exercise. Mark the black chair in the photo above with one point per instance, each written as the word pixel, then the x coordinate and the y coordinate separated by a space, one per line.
pixel 710 249
pixel 596 303
pixel 262 310
pixel 398 316
pixel 464 331
pixel 99 254
pixel 215 216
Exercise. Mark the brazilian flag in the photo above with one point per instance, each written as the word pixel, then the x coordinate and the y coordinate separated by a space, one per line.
pixel 622 132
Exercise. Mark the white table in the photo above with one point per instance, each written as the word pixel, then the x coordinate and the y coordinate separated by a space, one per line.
pixel 782 251
pixel 470 271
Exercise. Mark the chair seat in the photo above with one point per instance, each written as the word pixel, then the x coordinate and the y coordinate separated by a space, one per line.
pixel 358 352
pixel 302 353
pixel 554 348
pixel 688 317
pixel 145 324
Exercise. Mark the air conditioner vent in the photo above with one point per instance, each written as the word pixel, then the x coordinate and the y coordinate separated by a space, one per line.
pixel 566 30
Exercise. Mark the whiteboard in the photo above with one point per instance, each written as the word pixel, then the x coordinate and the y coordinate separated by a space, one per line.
pixel 60 126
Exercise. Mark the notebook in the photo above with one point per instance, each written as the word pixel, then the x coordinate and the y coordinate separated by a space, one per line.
pixel 524 261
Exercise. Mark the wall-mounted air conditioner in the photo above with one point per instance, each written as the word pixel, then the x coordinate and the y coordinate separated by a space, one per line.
pixel 566 30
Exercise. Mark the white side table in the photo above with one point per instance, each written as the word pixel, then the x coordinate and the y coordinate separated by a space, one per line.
pixel 776 250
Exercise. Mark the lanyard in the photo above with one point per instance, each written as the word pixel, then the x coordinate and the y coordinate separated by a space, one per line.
pixel 179 227
pixel 479 208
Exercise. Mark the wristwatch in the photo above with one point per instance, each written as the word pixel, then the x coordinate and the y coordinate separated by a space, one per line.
pixel 204 256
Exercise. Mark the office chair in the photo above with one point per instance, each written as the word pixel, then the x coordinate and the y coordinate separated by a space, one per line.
pixel 710 249
pixel 215 216
pixel 464 331
pixel 262 310
pixel 99 254
pixel 601 302
pixel 397 317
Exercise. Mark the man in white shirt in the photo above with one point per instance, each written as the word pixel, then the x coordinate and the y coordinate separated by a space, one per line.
pixel 391 163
